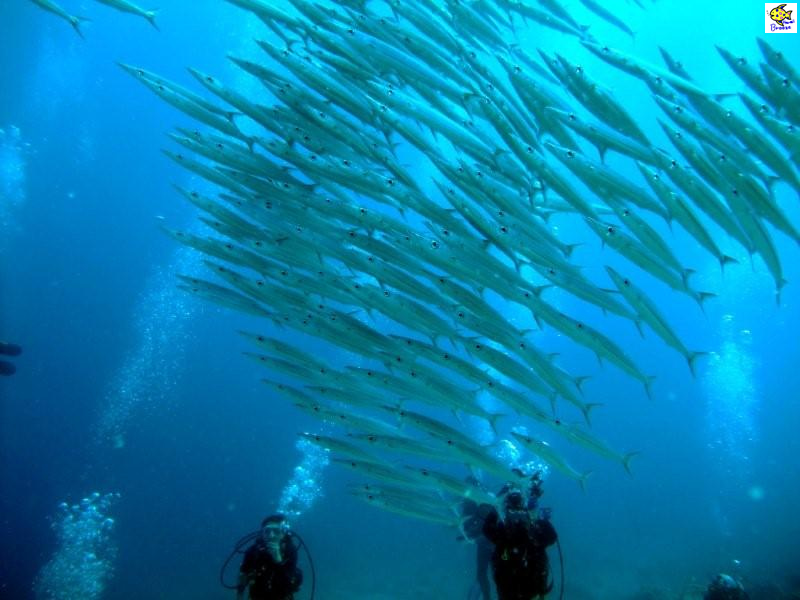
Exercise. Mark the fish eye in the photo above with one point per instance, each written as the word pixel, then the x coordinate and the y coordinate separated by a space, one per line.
pixel 504 229
pixel 386 295
pixel 626 282
pixel 435 245
pixel 570 154
pixel 580 325
pixel 461 314
pixel 610 229
pixel 529 149
pixel 346 162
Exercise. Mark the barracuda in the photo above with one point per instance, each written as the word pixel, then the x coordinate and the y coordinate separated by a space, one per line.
pixel 647 310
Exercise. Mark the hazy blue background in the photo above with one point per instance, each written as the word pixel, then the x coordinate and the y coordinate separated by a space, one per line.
pixel 86 287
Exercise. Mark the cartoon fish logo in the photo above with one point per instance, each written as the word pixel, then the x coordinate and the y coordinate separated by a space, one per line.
pixel 779 15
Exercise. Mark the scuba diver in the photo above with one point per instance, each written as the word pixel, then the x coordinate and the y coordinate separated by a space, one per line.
pixel 521 537
pixel 7 368
pixel 269 568
pixel 725 587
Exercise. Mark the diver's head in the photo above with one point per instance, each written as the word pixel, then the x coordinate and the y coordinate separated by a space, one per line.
pixel 513 498
pixel 274 527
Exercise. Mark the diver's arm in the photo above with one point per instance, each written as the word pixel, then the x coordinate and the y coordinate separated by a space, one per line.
pixel 492 526
pixel 289 565
pixel 545 532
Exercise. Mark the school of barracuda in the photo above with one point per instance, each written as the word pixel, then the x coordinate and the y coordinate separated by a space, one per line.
pixel 323 230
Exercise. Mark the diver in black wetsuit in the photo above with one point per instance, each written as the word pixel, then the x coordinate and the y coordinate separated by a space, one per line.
pixel 7 368
pixel 519 560
pixel 269 567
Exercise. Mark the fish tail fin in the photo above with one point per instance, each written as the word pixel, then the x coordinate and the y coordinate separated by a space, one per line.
pixel 701 297
pixel 569 248
pixel 586 409
pixel 778 288
pixel 691 357
pixel 553 398
pixel 579 381
pixel 76 24
pixel 150 15
pixel 727 260
pixel 647 383
pixel 771 180
pixel 582 480
pixel 492 418
pixel 685 274
pixel 626 461
pixel 638 323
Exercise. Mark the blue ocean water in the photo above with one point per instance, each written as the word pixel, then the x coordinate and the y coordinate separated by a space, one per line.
pixel 128 386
